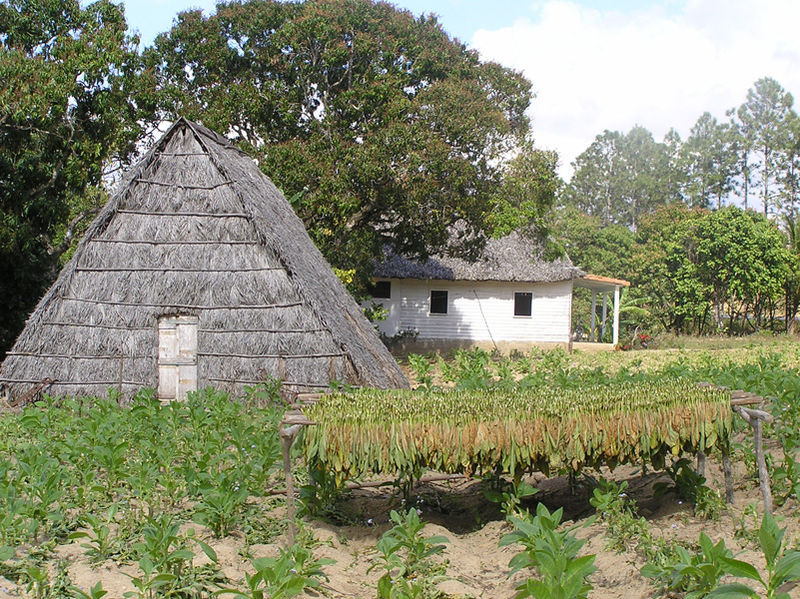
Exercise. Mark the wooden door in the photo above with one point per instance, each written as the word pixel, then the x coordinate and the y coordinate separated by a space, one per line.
pixel 177 357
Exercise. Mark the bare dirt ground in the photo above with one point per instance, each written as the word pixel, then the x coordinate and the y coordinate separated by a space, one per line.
pixel 475 565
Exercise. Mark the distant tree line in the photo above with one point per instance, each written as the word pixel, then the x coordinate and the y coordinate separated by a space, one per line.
pixel 704 228
pixel 751 159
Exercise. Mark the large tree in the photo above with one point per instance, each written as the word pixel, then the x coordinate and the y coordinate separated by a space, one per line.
pixel 382 128
pixel 65 112
pixel 763 122
pixel 729 266
pixel 620 177
pixel 709 162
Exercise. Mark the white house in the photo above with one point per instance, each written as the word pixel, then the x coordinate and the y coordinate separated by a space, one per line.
pixel 509 297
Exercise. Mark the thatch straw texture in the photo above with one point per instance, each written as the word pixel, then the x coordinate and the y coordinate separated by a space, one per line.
pixel 196 229
pixel 510 258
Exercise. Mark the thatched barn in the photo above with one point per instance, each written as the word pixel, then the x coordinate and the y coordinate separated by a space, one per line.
pixel 197 272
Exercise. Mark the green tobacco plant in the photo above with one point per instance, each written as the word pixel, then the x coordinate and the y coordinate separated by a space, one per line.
pixel 288 575
pixel 552 554
pixel 510 495
pixel 422 368
pixel 783 566
pixel 220 504
pixel 101 545
pixel 624 529
pixel 694 574
pixel 165 561
pixel 690 486
pixel 406 558
pixel 96 592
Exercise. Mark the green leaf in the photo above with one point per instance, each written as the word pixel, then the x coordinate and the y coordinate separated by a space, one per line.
pixel 787 569
pixel 734 590
pixel 385 587
pixel 738 568
pixel 208 550
pixel 770 536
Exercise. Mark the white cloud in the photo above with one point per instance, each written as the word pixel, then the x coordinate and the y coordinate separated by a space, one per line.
pixel 660 66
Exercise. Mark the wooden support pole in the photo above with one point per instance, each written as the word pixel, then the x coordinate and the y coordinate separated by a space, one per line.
pixel 756 418
pixel 615 321
pixel 287 436
pixel 727 471
pixel 605 316
pixel 701 463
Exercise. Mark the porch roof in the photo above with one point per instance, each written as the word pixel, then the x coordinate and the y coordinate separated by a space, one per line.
pixel 600 283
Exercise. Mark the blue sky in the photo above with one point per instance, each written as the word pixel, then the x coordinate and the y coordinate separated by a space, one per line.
pixel 598 64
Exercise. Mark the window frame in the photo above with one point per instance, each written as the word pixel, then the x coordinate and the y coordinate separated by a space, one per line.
pixel 375 286
pixel 518 294
pixel 444 296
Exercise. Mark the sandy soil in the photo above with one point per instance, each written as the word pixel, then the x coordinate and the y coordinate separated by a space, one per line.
pixel 475 565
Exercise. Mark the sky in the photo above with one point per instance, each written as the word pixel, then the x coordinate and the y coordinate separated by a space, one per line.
pixel 605 64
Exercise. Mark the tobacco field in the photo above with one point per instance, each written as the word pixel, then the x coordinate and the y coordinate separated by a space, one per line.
pixel 586 458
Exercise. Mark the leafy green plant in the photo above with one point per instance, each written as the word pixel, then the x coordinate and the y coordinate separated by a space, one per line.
pixel 690 486
pixel 406 558
pixel 551 553
pixel 39 585
pixel 165 560
pixel 510 496
pixel 783 566
pixel 101 544
pixel 694 574
pixel 267 392
pixel 220 504
pixel 422 368
pixel 320 493
pixel 288 575
pixel 746 526
pixel 624 529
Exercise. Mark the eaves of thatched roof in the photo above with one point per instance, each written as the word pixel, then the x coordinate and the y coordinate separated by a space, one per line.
pixel 511 258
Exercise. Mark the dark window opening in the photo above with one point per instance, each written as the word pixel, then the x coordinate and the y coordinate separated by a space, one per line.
pixel 522 303
pixel 438 302
pixel 381 289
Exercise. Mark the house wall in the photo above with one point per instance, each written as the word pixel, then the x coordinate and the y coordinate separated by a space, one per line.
pixel 479 311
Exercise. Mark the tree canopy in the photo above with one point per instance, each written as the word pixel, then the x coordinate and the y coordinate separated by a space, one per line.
pixel 66 112
pixel 382 128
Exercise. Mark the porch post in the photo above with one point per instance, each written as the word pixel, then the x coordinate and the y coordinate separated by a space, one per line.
pixel 605 316
pixel 593 326
pixel 616 315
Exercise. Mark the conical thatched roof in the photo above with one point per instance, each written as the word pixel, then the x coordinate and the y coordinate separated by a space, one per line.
pixel 196 229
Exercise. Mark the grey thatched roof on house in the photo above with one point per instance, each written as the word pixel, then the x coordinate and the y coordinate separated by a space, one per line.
pixel 195 228
pixel 510 258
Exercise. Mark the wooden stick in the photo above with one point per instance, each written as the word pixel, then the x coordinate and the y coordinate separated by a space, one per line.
pixel 728 473
pixel 755 418
pixel 265 356
pixel 747 401
pixel 287 436
pixel 181 306
pixel 166 269
pixel 173 242
pixel 701 463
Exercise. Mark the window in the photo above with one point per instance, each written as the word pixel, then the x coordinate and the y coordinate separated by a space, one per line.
pixel 522 303
pixel 438 302
pixel 381 289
